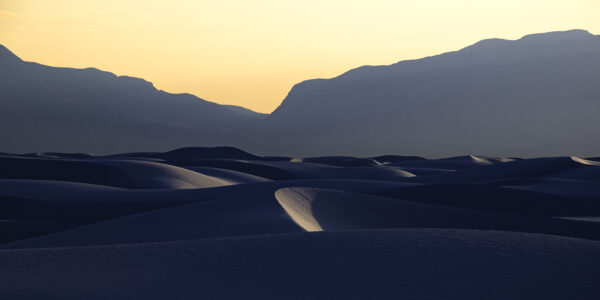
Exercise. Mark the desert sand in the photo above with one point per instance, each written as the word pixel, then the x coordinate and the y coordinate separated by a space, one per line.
pixel 202 223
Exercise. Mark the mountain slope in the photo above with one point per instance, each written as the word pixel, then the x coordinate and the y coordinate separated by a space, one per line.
pixel 538 95
pixel 88 110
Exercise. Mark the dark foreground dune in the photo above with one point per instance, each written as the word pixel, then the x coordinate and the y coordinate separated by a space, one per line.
pixel 199 223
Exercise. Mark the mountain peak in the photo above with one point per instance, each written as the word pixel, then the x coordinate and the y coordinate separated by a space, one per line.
pixel 576 39
pixel 558 35
pixel 7 56
pixel 135 81
pixel 570 42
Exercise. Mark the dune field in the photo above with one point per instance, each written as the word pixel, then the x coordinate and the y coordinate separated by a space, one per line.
pixel 202 223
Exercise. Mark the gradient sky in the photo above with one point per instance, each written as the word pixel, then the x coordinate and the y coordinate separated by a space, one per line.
pixel 251 52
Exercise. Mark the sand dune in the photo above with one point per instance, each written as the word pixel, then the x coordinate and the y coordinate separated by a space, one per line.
pixel 514 199
pixel 224 223
pixel 117 173
pixel 340 161
pixel 393 264
pixel 515 169
pixel 572 188
pixel 322 209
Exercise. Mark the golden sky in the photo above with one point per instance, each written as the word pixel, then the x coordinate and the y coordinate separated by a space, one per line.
pixel 251 52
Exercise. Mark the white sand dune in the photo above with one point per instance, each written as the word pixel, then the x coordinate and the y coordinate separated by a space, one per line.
pixel 224 223
pixel 202 213
pixel 452 163
pixel 300 169
pixel 526 168
pixel 248 214
pixel 511 199
pixel 574 188
pixel 322 209
pixel 339 161
pixel 228 176
pixel 118 173
pixel 390 264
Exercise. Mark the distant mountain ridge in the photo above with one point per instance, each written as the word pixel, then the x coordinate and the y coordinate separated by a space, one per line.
pixel 88 110
pixel 538 95
pixel 535 96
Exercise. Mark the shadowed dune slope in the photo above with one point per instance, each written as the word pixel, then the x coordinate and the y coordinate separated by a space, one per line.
pixel 321 209
pixel 387 264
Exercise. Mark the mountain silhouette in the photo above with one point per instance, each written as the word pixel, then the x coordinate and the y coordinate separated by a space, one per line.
pixel 539 95
pixel 535 96
pixel 88 110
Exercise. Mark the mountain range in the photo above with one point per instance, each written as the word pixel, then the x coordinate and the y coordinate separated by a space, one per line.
pixel 535 96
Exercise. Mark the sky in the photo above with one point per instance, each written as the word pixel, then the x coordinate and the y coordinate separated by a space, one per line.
pixel 250 53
